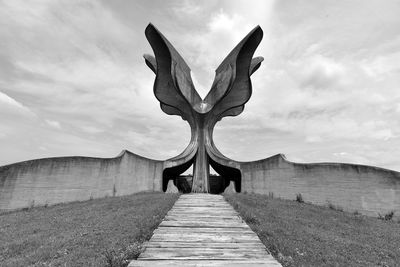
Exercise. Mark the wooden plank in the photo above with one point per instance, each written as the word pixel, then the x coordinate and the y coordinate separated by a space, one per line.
pixel 200 231
pixel 204 215
pixel 213 250
pixel 192 201
pixel 204 219
pixel 201 254
pixel 202 206
pixel 222 219
pixel 203 230
pixel 228 215
pixel 202 224
pixel 203 238
pixel 206 263
pixel 201 209
pixel 205 235
pixel 180 244
pixel 197 204
pixel 201 215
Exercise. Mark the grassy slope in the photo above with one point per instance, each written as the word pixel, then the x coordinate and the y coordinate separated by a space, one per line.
pixel 81 233
pixel 300 234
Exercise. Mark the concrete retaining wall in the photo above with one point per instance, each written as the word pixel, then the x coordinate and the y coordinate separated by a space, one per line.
pixel 64 179
pixel 369 190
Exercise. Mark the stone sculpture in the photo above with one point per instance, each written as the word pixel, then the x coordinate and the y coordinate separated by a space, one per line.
pixel 367 189
pixel 174 88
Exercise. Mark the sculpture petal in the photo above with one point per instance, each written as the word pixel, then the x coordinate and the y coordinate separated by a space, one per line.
pixel 227 93
pixel 151 62
pixel 232 112
pixel 255 64
pixel 173 85
pixel 170 110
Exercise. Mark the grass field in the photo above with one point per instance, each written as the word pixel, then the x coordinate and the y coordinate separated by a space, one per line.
pixel 300 234
pixel 101 232
pixel 109 232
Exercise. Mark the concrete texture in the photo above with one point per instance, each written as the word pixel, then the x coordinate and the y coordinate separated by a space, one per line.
pixel 171 188
pixel 369 190
pixel 174 88
pixel 230 188
pixel 56 180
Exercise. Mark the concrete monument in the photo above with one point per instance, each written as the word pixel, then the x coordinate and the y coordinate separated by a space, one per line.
pixel 367 189
pixel 229 92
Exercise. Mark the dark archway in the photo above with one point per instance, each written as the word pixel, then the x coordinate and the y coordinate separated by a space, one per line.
pixel 228 174
pixel 217 183
pixel 173 173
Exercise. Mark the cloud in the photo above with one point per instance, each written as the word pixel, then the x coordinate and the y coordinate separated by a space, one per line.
pixel 381 67
pixel 352 157
pixel 321 73
pixel 91 129
pixel 10 106
pixel 53 124
pixel 6 100
pixel 188 8
pixel 205 47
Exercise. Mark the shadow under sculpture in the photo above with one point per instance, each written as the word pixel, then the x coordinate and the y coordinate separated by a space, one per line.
pixel 174 88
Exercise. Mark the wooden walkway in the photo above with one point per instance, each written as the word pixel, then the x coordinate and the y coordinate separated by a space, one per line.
pixel 203 230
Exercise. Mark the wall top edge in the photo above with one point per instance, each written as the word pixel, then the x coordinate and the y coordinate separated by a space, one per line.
pixel 282 157
pixel 68 158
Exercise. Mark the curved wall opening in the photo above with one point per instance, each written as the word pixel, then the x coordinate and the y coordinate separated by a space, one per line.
pixel 228 174
pixel 217 183
pixel 174 172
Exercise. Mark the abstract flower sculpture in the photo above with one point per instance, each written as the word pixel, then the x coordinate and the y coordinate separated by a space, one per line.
pixel 230 91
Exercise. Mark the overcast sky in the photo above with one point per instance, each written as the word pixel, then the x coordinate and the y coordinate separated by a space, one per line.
pixel 73 80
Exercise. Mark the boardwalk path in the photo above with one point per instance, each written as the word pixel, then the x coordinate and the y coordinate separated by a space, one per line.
pixel 204 230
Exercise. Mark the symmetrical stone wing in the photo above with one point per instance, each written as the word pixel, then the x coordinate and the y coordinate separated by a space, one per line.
pixel 232 85
pixel 231 89
pixel 174 88
pixel 173 85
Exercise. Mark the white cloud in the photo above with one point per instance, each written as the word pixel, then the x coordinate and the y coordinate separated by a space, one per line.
pixel 53 124
pixel 10 105
pixel 207 48
pixel 314 139
pixel 381 66
pixel 6 100
pixel 222 22
pixel 352 158
pixel 321 72
pixel 91 129
pixel 188 8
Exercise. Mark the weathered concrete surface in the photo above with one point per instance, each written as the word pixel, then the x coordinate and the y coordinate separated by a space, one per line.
pixel 171 188
pixel 174 88
pixel 64 179
pixel 230 188
pixel 369 190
